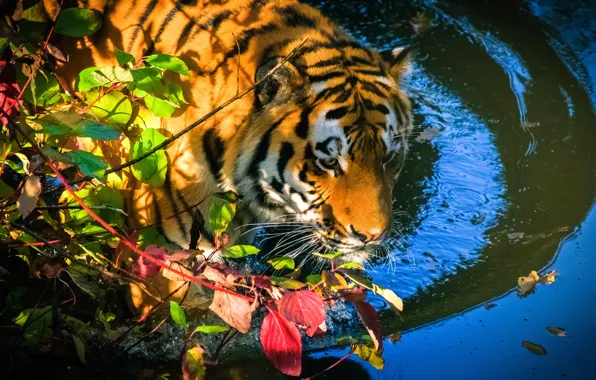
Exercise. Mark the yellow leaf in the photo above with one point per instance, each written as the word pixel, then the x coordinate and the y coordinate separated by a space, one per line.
pixel 395 302
pixel 29 196
pixel 368 354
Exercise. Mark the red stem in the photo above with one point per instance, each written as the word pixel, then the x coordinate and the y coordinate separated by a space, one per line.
pixel 332 365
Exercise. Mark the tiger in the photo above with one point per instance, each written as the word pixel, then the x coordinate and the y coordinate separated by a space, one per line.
pixel 320 142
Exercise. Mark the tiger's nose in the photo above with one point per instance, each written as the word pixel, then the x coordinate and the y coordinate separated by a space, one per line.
pixel 367 236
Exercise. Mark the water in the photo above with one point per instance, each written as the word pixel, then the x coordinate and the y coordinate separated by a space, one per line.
pixel 508 186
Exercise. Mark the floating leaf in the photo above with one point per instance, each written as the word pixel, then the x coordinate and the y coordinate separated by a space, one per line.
pixel 282 344
pixel 29 195
pixel 178 315
pixel 78 22
pixel 329 256
pixel 534 348
pixel 556 331
pixel 351 265
pixel 193 364
pixel 527 284
pixel 235 311
pixel 334 281
pixel 221 214
pixel 548 278
pixel 344 341
pixel 395 337
pixel 152 169
pixel 88 163
pixel 240 251
pixel 369 355
pixel 358 278
pixel 211 329
pixel 124 58
pixel 284 262
pixel 396 303
pixel 165 61
pixel 302 307
pixel 113 106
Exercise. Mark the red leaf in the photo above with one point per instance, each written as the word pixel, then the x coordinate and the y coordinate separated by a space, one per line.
pixel 262 282
pixel 231 274
pixel 303 307
pixel 145 268
pixel 317 331
pixel 236 311
pixel 281 343
pixel 370 320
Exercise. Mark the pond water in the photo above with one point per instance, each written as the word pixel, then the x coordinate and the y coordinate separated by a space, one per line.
pixel 506 187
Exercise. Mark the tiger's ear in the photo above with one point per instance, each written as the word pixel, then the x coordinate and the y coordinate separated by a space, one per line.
pixel 280 85
pixel 399 60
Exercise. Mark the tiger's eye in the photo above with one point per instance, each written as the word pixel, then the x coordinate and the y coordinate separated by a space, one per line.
pixel 331 162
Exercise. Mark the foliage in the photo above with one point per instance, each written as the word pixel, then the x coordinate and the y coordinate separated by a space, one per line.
pixel 64 157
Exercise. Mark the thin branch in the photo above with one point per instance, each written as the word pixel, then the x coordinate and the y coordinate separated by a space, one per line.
pixel 333 365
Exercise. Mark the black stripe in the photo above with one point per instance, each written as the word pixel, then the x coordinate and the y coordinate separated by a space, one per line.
pixel 383 85
pixel 144 17
pixel 158 220
pixel 375 107
pixel 214 147
pixel 328 62
pixel 328 92
pixel 302 196
pixel 326 76
pixel 262 149
pixel 323 145
pixel 170 196
pixel 372 88
pixel 185 34
pixel 361 61
pixel 285 155
pixel 337 113
pixel 302 174
pixel 303 125
pixel 294 18
pixel 162 27
pixel 377 73
pixel 244 39
pixel 277 186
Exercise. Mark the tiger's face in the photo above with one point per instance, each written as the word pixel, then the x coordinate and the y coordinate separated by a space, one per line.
pixel 331 143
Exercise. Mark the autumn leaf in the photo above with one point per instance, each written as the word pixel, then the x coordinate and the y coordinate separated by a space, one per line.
pixel 145 268
pixel 261 281
pixel 287 283
pixel 29 196
pixel 193 364
pixel 527 284
pixel 281 343
pixel 303 307
pixel 214 275
pixel 395 337
pixel 370 319
pixel 317 330
pixel 556 331
pixel 236 311
pixel 534 348
pixel 396 303
pixel 369 355
pixel 334 281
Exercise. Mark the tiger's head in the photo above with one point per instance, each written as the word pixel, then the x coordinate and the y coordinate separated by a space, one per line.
pixel 326 145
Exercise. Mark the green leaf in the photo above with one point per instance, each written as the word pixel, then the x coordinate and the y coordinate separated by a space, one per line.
pixel 55 130
pixel 287 283
pixel 123 57
pixel 221 214
pixel 87 80
pixel 152 169
pixel 351 265
pixel 175 94
pixel 78 22
pixel 211 329
pixel 147 80
pixel 228 196
pixel 86 279
pixel 151 236
pixel 346 341
pixel 43 90
pixel 37 323
pixel 159 107
pixel 88 163
pixel 240 251
pixel 165 61
pixel 80 347
pixel 314 278
pixel 97 196
pixel 113 106
pixel 329 256
pixel 112 74
pixel 283 262
pixel 97 131
pixel 178 315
